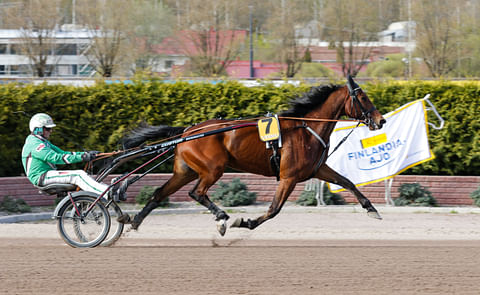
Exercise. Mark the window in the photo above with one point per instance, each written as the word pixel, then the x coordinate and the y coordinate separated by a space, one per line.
pixel 14 70
pixel 66 49
pixel 19 70
pixel 25 70
pixel 15 49
pixel 169 64
pixel 85 70
pixel 3 48
pixel 65 70
pixel 3 69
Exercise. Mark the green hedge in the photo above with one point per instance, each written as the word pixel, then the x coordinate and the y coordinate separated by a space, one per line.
pixel 457 145
pixel 96 117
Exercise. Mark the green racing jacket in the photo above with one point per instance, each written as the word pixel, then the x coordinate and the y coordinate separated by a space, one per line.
pixel 39 156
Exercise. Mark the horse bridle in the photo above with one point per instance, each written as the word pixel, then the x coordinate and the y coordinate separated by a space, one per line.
pixel 356 104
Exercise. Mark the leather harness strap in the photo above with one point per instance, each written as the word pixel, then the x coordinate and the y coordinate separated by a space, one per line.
pixel 325 148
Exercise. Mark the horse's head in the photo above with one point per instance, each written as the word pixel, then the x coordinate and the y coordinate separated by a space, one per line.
pixel 359 106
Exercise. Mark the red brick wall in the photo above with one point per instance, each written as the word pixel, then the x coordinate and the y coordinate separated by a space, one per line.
pixel 448 190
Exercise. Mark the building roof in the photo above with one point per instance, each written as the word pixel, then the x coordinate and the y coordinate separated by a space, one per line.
pixel 58 34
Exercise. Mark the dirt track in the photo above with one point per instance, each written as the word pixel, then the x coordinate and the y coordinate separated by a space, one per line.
pixel 311 253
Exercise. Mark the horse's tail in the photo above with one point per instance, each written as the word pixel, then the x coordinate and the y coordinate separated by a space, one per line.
pixel 145 132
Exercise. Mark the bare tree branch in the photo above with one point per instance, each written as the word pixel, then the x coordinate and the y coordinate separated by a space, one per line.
pixel 109 23
pixel 207 35
pixel 37 21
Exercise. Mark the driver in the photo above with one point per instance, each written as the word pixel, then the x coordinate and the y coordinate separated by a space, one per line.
pixel 40 157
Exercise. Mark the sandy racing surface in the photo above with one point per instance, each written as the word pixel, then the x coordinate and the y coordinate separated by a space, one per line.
pixel 295 253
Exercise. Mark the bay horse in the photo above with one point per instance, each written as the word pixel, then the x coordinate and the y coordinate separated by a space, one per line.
pixel 305 132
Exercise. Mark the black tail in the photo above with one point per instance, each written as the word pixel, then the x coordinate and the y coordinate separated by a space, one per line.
pixel 146 132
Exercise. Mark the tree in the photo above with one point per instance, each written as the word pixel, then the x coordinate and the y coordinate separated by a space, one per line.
pixel 153 23
pixel 466 57
pixel 284 28
pixel 206 33
pixel 110 26
pixel 436 35
pixel 350 27
pixel 37 21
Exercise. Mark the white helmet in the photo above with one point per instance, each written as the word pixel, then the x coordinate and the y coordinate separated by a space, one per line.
pixel 41 120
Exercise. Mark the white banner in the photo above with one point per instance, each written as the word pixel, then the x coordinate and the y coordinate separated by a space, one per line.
pixel 371 156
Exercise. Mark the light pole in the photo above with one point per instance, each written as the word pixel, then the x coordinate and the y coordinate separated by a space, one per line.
pixel 409 28
pixel 251 41
pixel 73 13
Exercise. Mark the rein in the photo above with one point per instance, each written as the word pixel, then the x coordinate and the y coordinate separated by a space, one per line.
pixel 187 131
pixel 344 139
pixel 245 123
pixel 320 120
pixel 325 145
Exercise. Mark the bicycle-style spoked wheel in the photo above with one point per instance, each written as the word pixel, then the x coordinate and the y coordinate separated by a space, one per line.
pixel 81 229
pixel 116 228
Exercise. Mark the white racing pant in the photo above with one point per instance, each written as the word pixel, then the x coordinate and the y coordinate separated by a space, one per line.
pixel 76 177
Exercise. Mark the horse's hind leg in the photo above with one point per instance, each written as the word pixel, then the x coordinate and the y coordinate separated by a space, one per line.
pixel 328 174
pixel 282 193
pixel 171 186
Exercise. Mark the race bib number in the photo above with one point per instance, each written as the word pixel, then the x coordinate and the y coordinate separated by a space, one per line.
pixel 268 129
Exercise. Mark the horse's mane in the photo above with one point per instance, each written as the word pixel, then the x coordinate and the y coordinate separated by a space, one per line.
pixel 304 104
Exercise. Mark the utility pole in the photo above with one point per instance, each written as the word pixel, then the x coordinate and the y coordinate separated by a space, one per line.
pixel 409 30
pixel 73 13
pixel 252 74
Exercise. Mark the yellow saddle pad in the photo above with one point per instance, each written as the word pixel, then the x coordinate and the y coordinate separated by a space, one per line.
pixel 268 129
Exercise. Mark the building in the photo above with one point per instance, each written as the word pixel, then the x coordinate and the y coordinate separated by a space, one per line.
pixel 66 56
pixel 68 53
pixel 398 32
pixel 176 56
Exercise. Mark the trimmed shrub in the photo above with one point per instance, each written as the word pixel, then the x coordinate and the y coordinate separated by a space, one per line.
pixel 14 205
pixel 234 193
pixel 413 194
pixel 97 117
pixel 310 69
pixel 145 193
pixel 391 67
pixel 475 195
pixel 307 198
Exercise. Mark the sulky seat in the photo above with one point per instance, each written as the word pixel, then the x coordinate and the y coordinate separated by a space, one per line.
pixel 57 188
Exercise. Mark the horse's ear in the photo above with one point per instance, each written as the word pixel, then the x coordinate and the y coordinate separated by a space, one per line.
pixel 350 84
pixel 350 80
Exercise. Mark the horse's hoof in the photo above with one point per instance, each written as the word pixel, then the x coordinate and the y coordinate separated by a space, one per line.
pixel 124 218
pixel 135 225
pixel 237 222
pixel 374 214
pixel 222 226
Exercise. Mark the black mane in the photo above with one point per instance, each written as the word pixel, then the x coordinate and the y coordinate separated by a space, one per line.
pixel 300 106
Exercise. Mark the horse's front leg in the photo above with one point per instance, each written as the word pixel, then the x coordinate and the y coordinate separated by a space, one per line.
pixel 221 216
pixel 199 194
pixel 284 190
pixel 328 174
